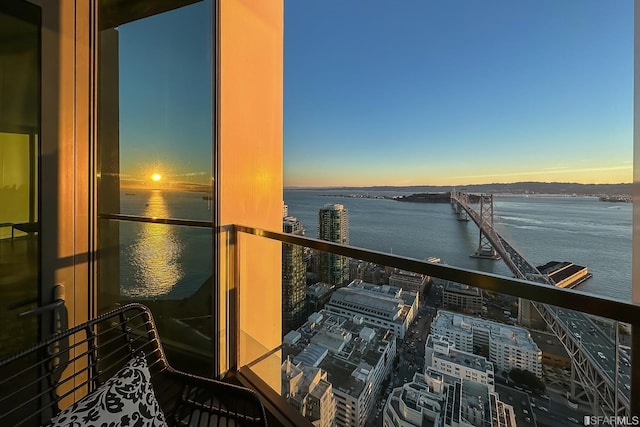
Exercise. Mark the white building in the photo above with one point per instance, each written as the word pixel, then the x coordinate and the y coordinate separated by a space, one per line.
pixel 356 356
pixel 307 389
pixel 382 306
pixel 441 356
pixel 508 346
pixel 430 400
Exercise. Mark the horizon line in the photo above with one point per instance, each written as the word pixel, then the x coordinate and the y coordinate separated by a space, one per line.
pixel 454 186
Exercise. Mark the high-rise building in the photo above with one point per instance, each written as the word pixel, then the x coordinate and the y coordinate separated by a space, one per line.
pixel 333 225
pixel 294 290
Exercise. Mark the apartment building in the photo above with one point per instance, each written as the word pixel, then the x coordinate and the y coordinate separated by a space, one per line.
pixel 431 400
pixel 441 356
pixel 408 281
pixel 508 346
pixel 306 388
pixel 333 225
pixel 294 277
pixel 462 298
pixel 356 356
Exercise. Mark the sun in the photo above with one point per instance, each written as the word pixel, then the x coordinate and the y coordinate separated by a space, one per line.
pixel 156 177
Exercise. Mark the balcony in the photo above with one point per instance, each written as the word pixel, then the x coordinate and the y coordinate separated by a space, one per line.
pixel 569 353
pixel 573 338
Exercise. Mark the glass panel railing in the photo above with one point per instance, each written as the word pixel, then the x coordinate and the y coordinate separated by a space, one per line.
pixel 168 268
pixel 391 345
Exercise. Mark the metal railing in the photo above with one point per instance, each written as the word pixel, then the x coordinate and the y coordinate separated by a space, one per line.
pixel 571 299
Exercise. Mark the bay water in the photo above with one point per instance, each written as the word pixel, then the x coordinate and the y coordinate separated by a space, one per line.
pixel 582 230
pixel 166 261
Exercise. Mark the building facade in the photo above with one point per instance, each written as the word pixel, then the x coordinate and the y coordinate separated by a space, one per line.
pixel 306 388
pixel 294 278
pixel 356 356
pixel 431 400
pixel 382 306
pixel 462 298
pixel 441 356
pixel 408 281
pixel 333 226
pixel 508 347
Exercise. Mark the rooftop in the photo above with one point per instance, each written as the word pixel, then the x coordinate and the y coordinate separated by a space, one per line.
pixel 499 332
pixel 386 302
pixel 336 344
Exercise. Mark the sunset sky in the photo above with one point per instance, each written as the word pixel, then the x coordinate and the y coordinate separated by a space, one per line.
pixel 409 92
pixel 456 92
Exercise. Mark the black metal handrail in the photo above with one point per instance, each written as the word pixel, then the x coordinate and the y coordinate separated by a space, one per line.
pixel 568 298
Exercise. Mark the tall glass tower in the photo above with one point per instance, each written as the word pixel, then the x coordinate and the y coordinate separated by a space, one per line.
pixel 294 278
pixel 333 225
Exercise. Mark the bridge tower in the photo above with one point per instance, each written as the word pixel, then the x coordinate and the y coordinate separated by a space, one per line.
pixel 485 248
pixel 457 199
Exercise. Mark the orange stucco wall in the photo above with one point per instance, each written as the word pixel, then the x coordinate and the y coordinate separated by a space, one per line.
pixel 250 159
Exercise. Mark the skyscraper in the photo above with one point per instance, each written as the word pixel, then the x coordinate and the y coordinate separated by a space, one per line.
pixel 294 290
pixel 333 225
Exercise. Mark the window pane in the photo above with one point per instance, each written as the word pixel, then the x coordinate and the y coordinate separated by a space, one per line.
pixel 155 163
pixel 19 168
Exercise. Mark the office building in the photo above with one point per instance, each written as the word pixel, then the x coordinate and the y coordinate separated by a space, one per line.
pixel 294 278
pixel 356 356
pixel 383 306
pixel 508 347
pixel 333 226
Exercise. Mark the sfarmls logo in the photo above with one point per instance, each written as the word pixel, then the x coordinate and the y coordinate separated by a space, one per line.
pixel 611 421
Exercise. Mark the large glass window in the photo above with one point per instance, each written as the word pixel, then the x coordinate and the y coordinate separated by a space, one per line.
pixel 155 168
pixel 19 160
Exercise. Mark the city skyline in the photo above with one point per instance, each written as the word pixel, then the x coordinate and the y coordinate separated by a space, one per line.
pixel 432 93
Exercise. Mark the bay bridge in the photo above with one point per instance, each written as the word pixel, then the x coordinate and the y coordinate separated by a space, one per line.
pixel 598 371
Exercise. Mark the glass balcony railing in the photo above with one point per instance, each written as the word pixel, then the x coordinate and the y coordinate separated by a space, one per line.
pixel 165 264
pixel 401 340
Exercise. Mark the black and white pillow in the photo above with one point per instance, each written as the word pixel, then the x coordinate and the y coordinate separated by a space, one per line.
pixel 126 399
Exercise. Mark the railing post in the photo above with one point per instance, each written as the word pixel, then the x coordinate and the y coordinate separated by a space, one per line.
pixel 234 300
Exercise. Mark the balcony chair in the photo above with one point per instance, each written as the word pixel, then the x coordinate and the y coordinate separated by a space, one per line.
pixel 116 361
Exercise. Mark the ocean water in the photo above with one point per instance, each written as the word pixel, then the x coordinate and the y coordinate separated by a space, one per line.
pixel 162 261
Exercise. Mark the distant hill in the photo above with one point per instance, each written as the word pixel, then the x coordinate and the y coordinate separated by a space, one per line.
pixel 528 187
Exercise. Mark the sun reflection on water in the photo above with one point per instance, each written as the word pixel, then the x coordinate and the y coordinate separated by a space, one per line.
pixel 156 253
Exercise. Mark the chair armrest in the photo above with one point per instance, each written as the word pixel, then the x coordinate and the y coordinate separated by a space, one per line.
pixel 207 399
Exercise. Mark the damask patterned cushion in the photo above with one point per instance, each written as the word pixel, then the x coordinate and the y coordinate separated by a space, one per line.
pixel 126 399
